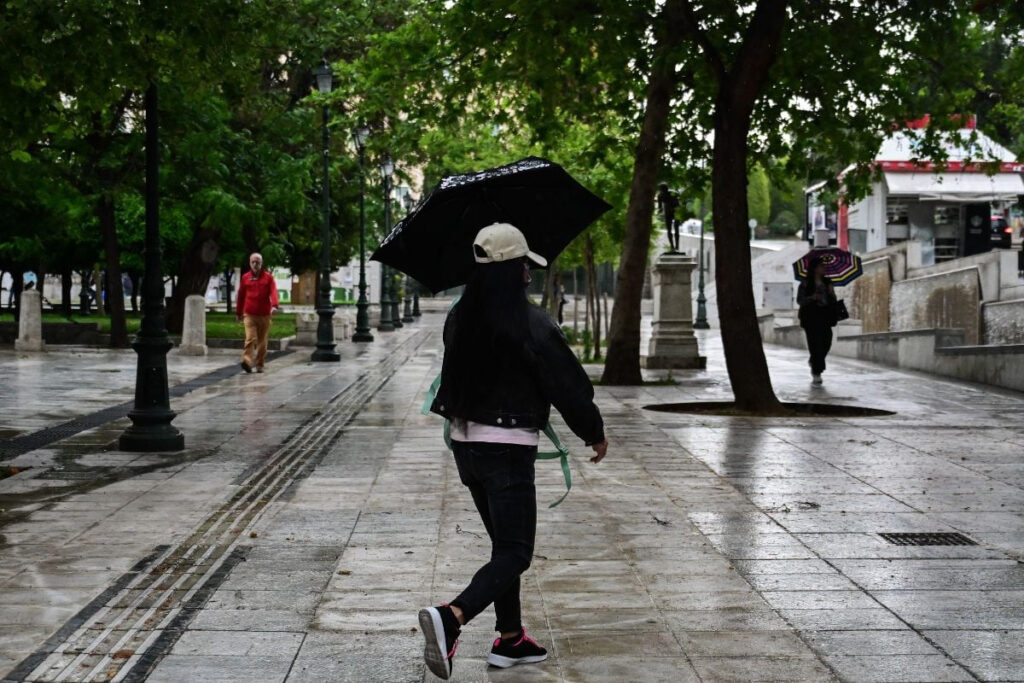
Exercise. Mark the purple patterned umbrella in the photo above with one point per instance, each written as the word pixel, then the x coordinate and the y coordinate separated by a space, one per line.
pixel 434 243
pixel 841 266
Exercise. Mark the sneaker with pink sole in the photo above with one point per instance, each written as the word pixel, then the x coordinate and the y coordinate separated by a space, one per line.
pixel 441 631
pixel 512 651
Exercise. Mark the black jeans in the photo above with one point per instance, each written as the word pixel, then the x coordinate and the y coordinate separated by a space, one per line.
pixel 500 479
pixel 819 341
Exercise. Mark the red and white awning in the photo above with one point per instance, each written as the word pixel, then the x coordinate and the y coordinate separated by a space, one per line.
pixel 956 187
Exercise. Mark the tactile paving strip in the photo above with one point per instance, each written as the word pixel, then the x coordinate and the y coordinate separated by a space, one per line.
pixel 144 613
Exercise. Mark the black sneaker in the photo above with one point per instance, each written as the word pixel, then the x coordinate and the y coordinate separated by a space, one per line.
pixel 246 366
pixel 522 650
pixel 441 630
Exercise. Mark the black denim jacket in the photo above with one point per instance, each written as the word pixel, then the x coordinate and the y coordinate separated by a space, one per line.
pixel 522 397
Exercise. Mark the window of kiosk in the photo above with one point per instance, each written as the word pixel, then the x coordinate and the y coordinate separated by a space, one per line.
pixel 897 221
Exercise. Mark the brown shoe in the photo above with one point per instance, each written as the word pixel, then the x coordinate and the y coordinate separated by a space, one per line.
pixel 246 366
pixel 259 369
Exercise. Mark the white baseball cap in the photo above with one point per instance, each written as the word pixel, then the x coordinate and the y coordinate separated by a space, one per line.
pixel 503 242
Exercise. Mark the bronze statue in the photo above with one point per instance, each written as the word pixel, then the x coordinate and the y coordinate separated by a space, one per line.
pixel 668 204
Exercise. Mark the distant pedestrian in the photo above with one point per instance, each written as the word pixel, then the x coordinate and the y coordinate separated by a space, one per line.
pixel 505 364
pixel 256 302
pixel 816 298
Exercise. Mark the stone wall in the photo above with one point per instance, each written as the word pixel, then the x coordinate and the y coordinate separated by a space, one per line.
pixel 867 297
pixel 997 271
pixel 944 300
pixel 1003 322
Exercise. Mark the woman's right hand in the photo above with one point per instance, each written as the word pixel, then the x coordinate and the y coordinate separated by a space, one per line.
pixel 601 449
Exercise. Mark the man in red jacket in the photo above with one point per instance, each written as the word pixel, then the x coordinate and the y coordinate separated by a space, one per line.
pixel 256 302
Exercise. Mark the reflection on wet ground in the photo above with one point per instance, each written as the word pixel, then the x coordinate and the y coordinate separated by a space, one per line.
pixel 705 547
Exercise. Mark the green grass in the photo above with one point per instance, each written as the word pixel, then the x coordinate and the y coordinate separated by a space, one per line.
pixel 219 325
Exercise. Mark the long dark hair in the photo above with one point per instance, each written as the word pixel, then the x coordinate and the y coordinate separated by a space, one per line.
pixel 491 331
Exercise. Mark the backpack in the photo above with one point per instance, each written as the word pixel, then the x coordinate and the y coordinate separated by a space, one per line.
pixel 560 452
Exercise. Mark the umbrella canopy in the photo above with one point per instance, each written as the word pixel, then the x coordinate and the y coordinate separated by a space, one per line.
pixel 434 243
pixel 841 266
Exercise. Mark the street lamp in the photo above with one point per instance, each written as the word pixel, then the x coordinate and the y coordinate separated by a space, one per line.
pixel 701 323
pixel 151 416
pixel 387 318
pixel 405 201
pixel 325 307
pixel 362 333
pixel 396 317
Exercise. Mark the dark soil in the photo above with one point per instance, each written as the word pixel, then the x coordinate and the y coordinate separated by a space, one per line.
pixel 729 409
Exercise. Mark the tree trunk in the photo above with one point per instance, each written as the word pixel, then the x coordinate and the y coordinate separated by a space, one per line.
pixel 586 307
pixel 14 298
pixel 193 274
pixel 552 290
pixel 737 93
pixel 136 279
pixel 228 272
pixel 575 304
pixel 623 361
pixel 588 252
pixel 115 294
pixel 65 292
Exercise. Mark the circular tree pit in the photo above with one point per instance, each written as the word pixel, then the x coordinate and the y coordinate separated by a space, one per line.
pixel 729 409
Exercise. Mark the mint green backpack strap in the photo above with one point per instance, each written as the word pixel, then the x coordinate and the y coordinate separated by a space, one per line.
pixel 562 453
pixel 431 394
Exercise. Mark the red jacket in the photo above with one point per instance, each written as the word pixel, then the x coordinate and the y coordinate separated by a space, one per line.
pixel 256 295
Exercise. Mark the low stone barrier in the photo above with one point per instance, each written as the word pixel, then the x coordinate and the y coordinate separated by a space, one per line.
pixel 1003 322
pixel 947 300
pixel 30 324
pixel 193 334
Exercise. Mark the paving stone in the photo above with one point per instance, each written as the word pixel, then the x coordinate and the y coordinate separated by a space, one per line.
pixel 238 643
pixel 761 669
pixel 240 668
pixel 707 548
pixel 995 655
pixel 872 668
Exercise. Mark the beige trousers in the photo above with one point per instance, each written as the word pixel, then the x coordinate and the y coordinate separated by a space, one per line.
pixel 257 328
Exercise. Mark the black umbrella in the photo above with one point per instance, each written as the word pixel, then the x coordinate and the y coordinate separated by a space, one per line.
pixel 434 243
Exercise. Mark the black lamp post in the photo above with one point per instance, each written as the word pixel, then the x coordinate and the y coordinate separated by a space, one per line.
pixel 325 350
pixel 393 276
pixel 362 333
pixel 405 202
pixel 701 323
pixel 151 428
pixel 387 283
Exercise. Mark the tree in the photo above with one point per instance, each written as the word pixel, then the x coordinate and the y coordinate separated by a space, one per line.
pixel 759 200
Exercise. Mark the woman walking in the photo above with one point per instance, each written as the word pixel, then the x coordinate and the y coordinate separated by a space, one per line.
pixel 505 364
pixel 816 298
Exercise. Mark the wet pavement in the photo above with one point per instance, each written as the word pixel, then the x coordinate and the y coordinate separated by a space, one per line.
pixel 315 510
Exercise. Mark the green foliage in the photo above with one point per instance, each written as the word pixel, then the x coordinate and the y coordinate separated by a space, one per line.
pixel 758 195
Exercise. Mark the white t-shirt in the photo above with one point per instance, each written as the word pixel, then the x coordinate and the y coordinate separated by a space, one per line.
pixel 467 430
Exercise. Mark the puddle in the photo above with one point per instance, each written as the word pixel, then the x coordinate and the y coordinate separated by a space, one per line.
pixel 728 409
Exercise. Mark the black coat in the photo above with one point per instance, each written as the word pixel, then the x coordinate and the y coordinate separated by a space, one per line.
pixel 521 396
pixel 814 313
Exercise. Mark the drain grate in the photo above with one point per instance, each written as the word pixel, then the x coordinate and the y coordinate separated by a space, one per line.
pixel 927 539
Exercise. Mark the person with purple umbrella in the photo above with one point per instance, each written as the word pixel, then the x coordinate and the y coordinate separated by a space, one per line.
pixel 816 298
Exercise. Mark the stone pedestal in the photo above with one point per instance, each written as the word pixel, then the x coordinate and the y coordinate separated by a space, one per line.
pixel 306 324
pixel 30 325
pixel 672 342
pixel 193 332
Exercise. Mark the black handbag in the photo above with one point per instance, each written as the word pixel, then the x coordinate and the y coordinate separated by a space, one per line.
pixel 839 312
